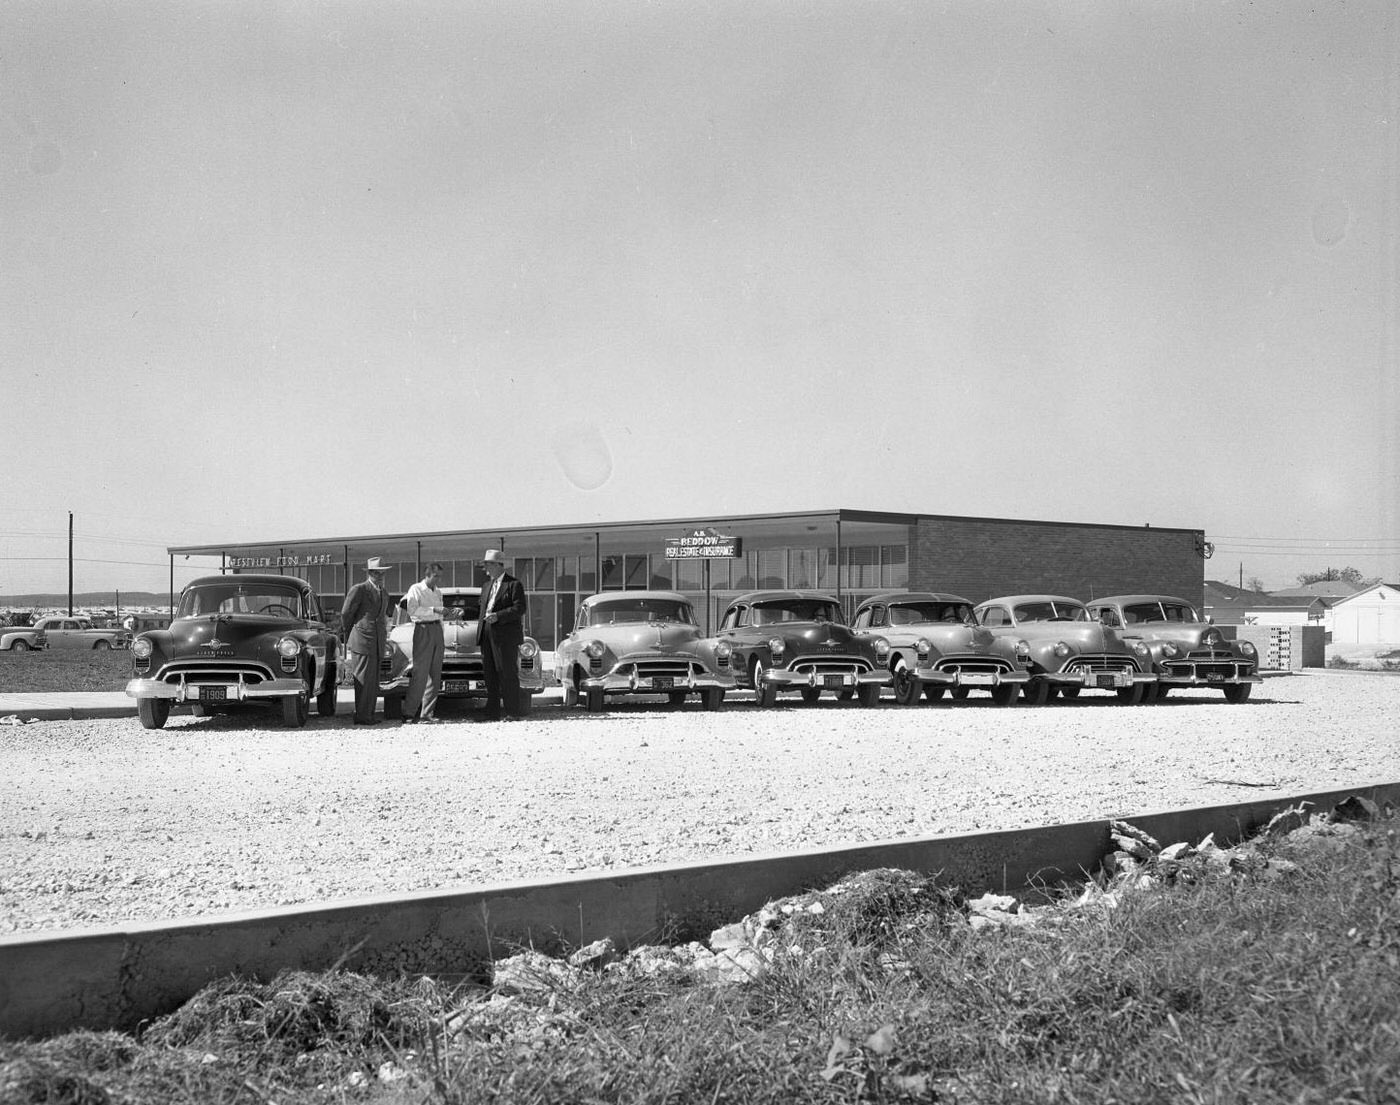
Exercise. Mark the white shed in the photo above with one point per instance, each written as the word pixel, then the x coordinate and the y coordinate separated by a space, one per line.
pixel 1368 617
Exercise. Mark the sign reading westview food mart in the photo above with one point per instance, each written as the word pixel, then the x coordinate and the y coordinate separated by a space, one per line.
pixel 287 561
pixel 703 544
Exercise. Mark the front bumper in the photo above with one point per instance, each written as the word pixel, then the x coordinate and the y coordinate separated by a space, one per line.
pixel 930 677
pixel 213 690
pixel 614 682
pixel 827 677
pixel 1208 674
pixel 1092 678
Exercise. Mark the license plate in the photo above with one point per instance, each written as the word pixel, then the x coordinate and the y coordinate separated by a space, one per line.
pixel 972 680
pixel 834 682
pixel 1214 677
pixel 1106 681
pixel 213 694
pixel 663 682
pixel 457 686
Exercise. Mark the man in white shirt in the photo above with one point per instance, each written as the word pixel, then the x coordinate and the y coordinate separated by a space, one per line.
pixel 424 605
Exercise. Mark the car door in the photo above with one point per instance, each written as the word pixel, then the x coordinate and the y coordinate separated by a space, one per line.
pixel 65 633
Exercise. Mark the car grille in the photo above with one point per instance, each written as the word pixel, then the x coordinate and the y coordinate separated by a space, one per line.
pixel 674 667
pixel 213 671
pixel 830 665
pixel 973 665
pixel 464 669
pixel 1101 664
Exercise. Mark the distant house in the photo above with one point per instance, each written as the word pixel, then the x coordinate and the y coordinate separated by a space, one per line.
pixel 1330 591
pixel 1228 605
pixel 1371 616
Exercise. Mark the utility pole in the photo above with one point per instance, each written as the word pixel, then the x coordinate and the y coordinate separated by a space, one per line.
pixel 70 563
pixel 1241 575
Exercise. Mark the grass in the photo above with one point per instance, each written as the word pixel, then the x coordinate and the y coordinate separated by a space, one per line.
pixel 64 670
pixel 1254 980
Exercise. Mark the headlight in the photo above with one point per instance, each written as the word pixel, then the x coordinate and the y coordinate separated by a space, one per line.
pixel 923 647
pixel 1061 649
pixel 723 651
pixel 882 648
pixel 1247 647
pixel 1140 649
pixel 1170 651
pixel 594 650
pixel 529 650
pixel 142 648
pixel 776 646
pixel 1212 638
pixel 1023 648
pixel 287 647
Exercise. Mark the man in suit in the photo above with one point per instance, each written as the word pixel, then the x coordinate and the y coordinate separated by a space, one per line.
pixel 364 625
pixel 500 632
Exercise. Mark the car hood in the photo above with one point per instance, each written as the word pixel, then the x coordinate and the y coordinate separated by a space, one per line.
pixel 944 636
pixel 1178 633
pixel 642 636
pixel 456 635
pixel 1087 636
pixel 228 630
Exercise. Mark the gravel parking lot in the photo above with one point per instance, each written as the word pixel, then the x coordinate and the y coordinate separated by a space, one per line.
pixel 102 821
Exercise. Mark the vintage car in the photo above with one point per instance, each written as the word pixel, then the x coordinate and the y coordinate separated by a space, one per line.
pixel 63 632
pixel 23 638
pixel 641 642
pixel 936 646
pixel 799 641
pixel 463 674
pixel 1186 650
pixel 238 640
pixel 1067 650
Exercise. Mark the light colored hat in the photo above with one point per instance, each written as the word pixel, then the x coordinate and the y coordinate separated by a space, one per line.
pixel 494 556
pixel 376 564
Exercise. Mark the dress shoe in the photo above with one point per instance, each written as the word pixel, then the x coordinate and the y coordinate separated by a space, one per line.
pixel 412 720
pixel 431 720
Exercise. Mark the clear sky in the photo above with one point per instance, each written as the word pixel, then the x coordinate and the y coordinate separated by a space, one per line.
pixel 293 269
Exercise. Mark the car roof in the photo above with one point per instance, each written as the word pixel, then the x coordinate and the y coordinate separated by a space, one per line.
pixel 1125 600
pixel 769 596
pixel 614 596
pixel 1013 599
pixel 248 577
pixel 889 597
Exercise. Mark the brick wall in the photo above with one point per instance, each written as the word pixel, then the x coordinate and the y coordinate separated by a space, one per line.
pixel 981 558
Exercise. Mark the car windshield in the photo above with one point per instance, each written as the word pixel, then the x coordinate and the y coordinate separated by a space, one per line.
pixel 1160 612
pixel 913 613
pixel 628 611
pixel 1050 610
pixel 795 610
pixel 461 608
pixel 240 598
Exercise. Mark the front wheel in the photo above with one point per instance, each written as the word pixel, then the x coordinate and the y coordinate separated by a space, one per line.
pixel 326 700
pixel 869 694
pixel 1005 694
pixel 765 692
pixel 1037 692
pixel 1236 693
pixel 934 694
pixel 571 695
pixel 100 646
pixel 1135 695
pixel 153 712
pixel 20 646
pixel 906 687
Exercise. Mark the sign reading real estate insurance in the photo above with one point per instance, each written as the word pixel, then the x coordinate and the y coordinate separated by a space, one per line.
pixel 703 544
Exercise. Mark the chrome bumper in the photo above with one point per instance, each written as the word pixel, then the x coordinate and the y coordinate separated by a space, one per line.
pixel 184 691
pixel 1103 680
pixel 929 677
pixel 613 683
pixel 784 677
pixel 1175 679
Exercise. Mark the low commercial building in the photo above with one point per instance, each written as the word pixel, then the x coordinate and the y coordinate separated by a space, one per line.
pixel 1371 616
pixel 848 553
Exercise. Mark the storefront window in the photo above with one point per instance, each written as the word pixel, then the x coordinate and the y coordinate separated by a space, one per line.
pixel 635 565
pixel 587 574
pixel 802 567
pixel 690 575
pixel 544 573
pixel 894 566
pixel 771 568
pixel 566 573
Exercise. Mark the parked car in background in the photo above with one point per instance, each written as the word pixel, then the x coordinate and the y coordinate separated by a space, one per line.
pixel 78 632
pixel 936 646
pixel 1187 651
pixel 463 673
pixel 236 641
pixel 23 638
pixel 641 643
pixel 799 641
pixel 1068 652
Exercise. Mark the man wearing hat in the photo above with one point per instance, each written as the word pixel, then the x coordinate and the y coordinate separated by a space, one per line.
pixel 500 632
pixel 364 624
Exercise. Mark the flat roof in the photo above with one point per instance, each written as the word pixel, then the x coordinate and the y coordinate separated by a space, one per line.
pixel 489 533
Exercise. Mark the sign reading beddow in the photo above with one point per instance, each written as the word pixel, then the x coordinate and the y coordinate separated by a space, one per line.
pixel 703 544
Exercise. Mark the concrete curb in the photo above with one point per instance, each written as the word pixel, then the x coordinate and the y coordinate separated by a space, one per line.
pixel 119 977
